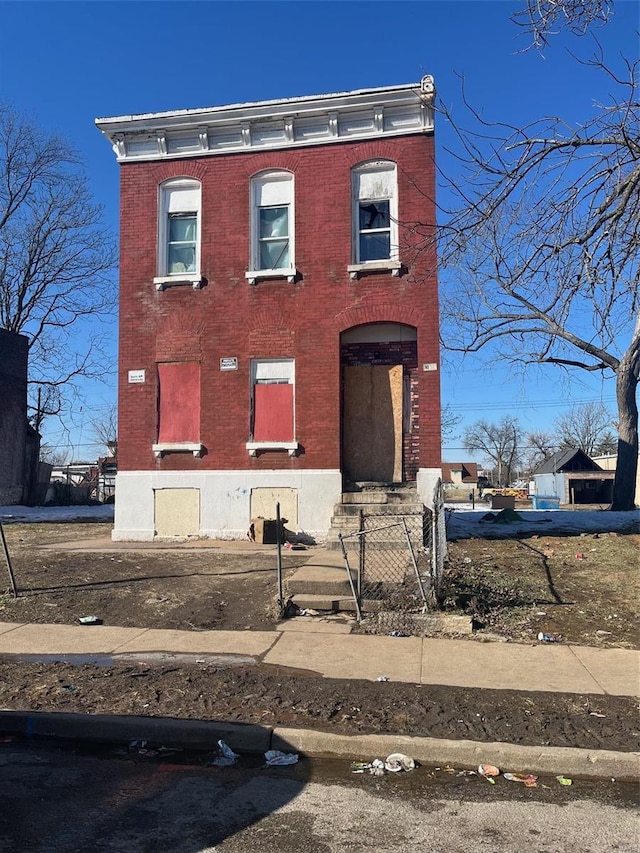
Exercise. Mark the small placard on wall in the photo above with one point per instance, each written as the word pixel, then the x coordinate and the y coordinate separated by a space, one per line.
pixel 137 376
pixel 431 366
pixel 229 363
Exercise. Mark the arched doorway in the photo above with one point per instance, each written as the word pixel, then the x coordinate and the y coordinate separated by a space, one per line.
pixel 379 403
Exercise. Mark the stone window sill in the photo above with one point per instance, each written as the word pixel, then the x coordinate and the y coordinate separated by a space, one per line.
pixel 254 447
pixel 290 273
pixel 387 265
pixel 177 447
pixel 193 280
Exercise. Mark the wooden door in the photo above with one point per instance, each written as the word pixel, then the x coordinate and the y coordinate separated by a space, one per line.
pixel 372 423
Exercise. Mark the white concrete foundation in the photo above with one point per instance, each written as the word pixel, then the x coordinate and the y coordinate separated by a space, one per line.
pixel 426 480
pixel 225 500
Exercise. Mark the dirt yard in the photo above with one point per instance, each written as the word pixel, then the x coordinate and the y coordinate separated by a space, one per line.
pixel 584 589
pixel 513 589
pixel 230 586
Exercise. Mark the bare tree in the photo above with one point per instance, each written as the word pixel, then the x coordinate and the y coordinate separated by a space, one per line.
pixel 583 427
pixel 449 421
pixel 497 442
pixel 105 429
pixel 538 447
pixel 56 261
pixel 543 240
pixel 541 19
pixel 53 456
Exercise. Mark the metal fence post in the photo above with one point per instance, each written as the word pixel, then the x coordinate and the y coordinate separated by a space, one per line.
pixel 279 557
pixel 8 559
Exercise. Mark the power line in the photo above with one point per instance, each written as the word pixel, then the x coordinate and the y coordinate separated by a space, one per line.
pixel 543 404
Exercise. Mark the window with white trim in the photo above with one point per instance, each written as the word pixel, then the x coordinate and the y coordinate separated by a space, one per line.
pixel 272 405
pixel 375 216
pixel 179 214
pixel 272 226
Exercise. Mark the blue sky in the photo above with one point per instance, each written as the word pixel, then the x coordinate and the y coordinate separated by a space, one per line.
pixel 66 63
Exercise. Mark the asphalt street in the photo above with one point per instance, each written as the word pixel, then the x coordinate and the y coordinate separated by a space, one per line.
pixel 68 798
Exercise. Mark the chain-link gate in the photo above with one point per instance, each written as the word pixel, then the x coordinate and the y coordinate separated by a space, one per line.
pixel 395 569
pixel 437 540
pixel 388 571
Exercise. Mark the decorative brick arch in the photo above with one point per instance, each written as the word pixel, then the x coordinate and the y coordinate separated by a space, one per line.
pixel 270 334
pixel 168 170
pixel 274 161
pixel 178 338
pixel 386 312
pixel 373 150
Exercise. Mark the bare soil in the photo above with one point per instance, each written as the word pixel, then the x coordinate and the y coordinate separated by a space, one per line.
pixel 583 589
pixel 506 586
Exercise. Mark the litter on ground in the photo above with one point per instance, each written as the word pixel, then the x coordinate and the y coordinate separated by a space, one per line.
pixel 276 758
pixel 394 763
pixel 397 761
pixel 227 757
pixel 527 780
pixel 488 770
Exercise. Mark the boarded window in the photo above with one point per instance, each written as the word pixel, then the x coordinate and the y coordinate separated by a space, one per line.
pixel 179 402
pixel 273 407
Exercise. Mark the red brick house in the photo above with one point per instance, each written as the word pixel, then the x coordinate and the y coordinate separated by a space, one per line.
pixel 278 309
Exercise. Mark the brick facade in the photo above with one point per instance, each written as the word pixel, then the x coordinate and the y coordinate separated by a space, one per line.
pixel 309 320
pixel 230 318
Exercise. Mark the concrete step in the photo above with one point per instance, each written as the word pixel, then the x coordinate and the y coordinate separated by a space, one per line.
pixel 336 604
pixel 371 496
pixel 352 510
pixel 381 495
pixel 316 580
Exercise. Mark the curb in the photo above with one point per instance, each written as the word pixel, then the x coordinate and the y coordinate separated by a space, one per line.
pixel 467 754
pixel 106 728
pixel 203 734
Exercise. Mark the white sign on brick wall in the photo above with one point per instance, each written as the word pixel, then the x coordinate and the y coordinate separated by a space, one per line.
pixel 137 376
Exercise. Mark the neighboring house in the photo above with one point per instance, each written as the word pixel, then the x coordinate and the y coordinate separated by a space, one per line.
pixel 610 463
pixel 82 482
pixel 460 474
pixel 574 478
pixel 278 309
pixel 16 436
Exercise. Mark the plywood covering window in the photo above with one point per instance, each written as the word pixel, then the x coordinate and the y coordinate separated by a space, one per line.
pixel 272 405
pixel 178 406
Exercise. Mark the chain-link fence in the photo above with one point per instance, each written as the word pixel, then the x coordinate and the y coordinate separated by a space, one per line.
pixel 437 540
pixel 394 567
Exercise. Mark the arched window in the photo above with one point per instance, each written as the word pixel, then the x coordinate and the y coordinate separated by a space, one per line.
pixel 272 226
pixel 375 212
pixel 179 227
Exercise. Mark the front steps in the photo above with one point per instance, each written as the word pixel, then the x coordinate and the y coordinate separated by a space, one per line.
pixel 377 503
pixel 322 584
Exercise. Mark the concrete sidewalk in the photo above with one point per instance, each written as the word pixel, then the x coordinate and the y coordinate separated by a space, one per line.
pixel 327 648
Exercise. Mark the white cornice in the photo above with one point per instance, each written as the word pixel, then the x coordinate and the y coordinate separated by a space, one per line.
pixel 269 125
